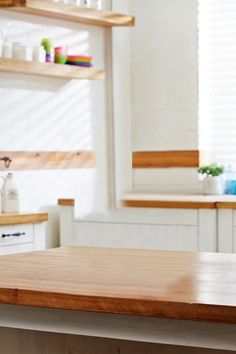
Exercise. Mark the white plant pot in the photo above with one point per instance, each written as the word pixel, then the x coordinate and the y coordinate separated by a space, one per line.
pixel 213 185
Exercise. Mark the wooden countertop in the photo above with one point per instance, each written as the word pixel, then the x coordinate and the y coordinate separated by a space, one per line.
pixel 184 201
pixel 22 218
pixel 176 285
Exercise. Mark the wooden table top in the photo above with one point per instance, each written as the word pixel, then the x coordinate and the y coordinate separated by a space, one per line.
pixel 177 285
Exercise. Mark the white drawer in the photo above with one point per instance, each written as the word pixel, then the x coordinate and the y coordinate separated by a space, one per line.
pixel 27 247
pixel 16 234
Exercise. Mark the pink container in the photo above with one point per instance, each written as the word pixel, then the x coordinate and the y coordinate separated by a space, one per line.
pixel 61 54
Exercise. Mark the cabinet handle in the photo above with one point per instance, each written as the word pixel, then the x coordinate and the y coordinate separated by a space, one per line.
pixel 17 234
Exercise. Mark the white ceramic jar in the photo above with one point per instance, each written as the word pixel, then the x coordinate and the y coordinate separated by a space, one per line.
pixel 25 53
pixel 10 195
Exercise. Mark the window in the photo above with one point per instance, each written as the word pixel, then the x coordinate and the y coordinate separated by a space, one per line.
pixel 217 80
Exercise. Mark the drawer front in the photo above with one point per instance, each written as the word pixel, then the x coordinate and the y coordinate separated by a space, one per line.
pixel 27 247
pixel 16 234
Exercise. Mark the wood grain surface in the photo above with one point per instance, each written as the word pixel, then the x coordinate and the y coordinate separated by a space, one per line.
pixel 18 219
pixel 168 204
pixel 66 202
pixel 38 160
pixel 178 201
pixel 50 70
pixel 226 205
pixel 176 285
pixel 50 8
pixel 9 3
pixel 165 159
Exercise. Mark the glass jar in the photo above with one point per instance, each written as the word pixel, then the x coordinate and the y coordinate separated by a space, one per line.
pixel 39 54
pixel 25 53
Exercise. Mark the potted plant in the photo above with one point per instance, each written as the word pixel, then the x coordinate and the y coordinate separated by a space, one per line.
pixel 213 183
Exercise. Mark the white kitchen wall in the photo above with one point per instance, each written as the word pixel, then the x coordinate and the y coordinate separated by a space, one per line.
pixel 52 115
pixel 164 100
pixel 122 102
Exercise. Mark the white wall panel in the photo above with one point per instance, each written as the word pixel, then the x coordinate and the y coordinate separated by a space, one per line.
pixel 151 216
pixel 135 236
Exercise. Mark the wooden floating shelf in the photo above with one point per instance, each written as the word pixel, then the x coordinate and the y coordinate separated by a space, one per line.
pixel 40 160
pixel 56 10
pixel 50 70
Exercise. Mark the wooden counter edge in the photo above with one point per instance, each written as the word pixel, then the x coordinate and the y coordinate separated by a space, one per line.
pixel 121 306
pixel 18 219
pixel 66 202
pixel 226 205
pixel 140 203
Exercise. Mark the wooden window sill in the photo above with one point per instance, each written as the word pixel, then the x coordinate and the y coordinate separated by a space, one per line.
pixel 152 200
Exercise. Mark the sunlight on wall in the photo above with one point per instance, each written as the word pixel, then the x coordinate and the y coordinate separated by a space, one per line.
pixel 39 114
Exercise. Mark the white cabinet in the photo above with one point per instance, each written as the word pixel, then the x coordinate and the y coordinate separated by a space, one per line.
pixel 210 227
pixel 24 236
pixel 157 228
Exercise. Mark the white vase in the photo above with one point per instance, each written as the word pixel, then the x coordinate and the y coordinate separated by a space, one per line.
pixel 213 185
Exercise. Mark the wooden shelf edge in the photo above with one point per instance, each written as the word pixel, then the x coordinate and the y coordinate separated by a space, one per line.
pixel 38 160
pixel 24 218
pixel 66 202
pixel 58 71
pixel 69 12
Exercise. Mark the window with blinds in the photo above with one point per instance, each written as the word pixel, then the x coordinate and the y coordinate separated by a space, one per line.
pixel 217 80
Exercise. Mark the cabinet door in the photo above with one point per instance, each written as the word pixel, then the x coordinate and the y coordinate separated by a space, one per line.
pixel 170 237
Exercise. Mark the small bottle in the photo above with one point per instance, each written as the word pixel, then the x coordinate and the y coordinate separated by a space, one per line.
pixel 229 176
pixel 10 195
pixel 48 46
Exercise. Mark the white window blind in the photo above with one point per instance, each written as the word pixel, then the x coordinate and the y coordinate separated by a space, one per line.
pixel 217 80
